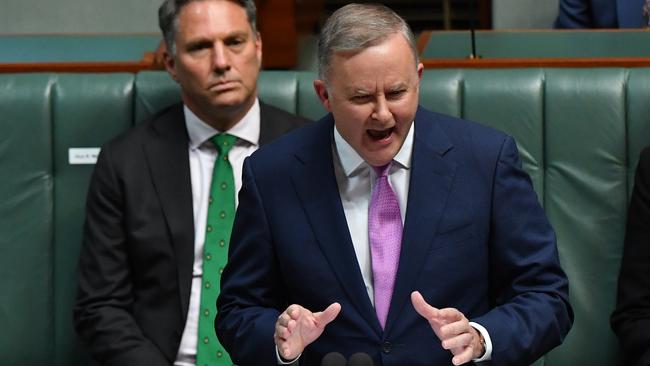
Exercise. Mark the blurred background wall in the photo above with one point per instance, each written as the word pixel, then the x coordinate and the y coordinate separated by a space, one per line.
pixel 78 16
pixel 523 14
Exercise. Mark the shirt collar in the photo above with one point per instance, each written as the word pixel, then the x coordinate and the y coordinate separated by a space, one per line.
pixel 247 129
pixel 351 161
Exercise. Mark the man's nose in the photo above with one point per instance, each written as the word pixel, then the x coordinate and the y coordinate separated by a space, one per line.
pixel 220 58
pixel 381 111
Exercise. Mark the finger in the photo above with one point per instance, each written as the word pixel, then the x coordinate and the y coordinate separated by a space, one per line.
pixel 463 357
pixel 282 332
pixel 283 319
pixel 449 315
pixel 286 351
pixel 422 307
pixel 291 325
pixel 454 329
pixel 294 311
pixel 326 316
pixel 457 342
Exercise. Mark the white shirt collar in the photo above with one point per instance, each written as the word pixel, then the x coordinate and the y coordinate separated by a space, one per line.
pixel 247 129
pixel 351 161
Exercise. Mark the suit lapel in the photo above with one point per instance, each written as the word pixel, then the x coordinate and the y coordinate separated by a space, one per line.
pixel 315 183
pixel 267 124
pixel 432 174
pixel 167 155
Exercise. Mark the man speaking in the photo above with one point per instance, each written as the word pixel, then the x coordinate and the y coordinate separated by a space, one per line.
pixel 387 229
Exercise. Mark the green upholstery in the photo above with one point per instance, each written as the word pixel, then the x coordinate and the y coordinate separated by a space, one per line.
pixel 26 227
pixel 88 110
pixel 579 131
pixel 539 44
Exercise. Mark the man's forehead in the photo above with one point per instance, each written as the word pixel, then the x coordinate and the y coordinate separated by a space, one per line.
pixel 374 86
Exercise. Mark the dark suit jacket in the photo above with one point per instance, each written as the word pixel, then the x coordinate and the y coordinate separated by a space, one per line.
pixel 135 269
pixel 475 238
pixel 600 14
pixel 631 318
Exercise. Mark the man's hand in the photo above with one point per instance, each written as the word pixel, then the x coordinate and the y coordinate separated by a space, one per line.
pixel 453 329
pixel 297 327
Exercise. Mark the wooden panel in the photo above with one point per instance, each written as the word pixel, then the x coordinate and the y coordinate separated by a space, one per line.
pixel 276 22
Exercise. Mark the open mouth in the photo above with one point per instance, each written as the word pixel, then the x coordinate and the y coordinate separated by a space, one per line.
pixel 378 135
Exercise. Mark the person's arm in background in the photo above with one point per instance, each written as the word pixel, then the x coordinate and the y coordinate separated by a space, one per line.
pixel 102 312
pixel 631 318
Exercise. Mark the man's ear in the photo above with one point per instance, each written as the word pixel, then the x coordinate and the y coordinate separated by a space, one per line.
pixel 170 64
pixel 323 94
pixel 258 48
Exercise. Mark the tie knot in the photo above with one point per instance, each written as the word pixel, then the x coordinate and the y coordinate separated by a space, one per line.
pixel 223 142
pixel 382 171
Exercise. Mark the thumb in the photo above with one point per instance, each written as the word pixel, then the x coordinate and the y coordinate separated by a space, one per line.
pixel 423 308
pixel 326 316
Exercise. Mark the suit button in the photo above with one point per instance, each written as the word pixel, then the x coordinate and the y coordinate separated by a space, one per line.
pixel 386 347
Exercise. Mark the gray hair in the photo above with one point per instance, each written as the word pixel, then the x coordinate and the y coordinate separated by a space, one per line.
pixel 356 27
pixel 168 18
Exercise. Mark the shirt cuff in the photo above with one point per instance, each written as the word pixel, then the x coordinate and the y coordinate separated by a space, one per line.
pixel 487 355
pixel 282 362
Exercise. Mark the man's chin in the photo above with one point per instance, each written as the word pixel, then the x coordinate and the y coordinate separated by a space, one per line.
pixel 228 103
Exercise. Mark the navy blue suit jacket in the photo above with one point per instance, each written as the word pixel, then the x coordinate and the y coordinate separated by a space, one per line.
pixel 575 14
pixel 475 238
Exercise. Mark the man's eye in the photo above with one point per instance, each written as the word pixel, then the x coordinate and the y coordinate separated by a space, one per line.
pixel 235 42
pixel 198 47
pixel 396 93
pixel 361 98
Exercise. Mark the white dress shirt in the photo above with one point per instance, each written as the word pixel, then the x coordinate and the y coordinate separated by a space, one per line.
pixel 203 154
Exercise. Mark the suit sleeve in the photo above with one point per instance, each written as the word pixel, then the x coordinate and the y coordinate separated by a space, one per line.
pixel 631 318
pixel 251 297
pixel 102 313
pixel 528 289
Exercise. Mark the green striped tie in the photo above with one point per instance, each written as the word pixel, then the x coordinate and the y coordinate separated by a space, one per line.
pixel 221 212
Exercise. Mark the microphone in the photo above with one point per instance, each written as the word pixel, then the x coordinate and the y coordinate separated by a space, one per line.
pixel 360 359
pixel 333 359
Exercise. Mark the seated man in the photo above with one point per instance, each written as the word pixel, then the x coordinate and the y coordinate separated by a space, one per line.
pixel 162 197
pixel 387 229
pixel 631 318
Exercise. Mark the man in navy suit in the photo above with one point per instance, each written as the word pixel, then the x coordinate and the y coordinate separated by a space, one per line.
pixel 477 275
pixel 574 14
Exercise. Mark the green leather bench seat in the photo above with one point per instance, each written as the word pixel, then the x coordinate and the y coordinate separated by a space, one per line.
pixel 539 44
pixel 579 131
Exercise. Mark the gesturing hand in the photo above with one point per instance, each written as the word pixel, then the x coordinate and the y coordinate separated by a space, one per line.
pixel 297 327
pixel 452 328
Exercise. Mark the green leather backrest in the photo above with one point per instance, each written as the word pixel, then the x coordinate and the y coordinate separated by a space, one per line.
pixel 579 132
pixel 26 220
pixel 88 109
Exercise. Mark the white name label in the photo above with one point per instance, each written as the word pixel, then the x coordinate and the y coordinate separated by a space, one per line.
pixel 83 155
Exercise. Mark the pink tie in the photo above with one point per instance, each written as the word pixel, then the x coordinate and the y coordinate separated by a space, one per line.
pixel 385 235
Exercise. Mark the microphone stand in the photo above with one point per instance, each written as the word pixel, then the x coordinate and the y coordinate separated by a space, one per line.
pixel 473 55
